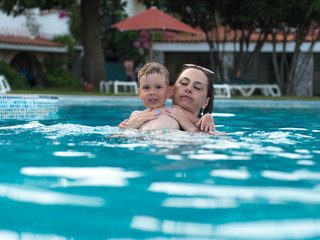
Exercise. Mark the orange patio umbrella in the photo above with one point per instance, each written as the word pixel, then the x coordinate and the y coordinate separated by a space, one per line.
pixel 154 19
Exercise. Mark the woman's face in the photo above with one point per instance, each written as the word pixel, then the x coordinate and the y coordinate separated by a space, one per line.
pixel 190 91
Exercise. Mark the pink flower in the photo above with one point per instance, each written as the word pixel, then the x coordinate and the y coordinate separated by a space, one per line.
pixel 144 33
pixel 136 44
pixel 169 34
pixel 145 42
pixel 141 51
pixel 62 14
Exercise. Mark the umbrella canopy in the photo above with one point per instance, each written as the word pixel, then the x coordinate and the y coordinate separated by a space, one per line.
pixel 154 19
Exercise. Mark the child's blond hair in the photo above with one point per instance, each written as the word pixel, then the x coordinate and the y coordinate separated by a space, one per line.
pixel 154 67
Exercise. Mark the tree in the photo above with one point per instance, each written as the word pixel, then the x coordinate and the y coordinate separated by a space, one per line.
pixel 90 15
pixel 299 25
pixel 217 19
pixel 93 53
pixel 201 14
pixel 246 18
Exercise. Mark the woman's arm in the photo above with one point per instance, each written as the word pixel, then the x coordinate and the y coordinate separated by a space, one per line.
pixel 137 119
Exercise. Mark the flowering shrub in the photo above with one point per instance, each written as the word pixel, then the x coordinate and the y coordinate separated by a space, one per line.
pixel 62 14
pixel 118 44
pixel 142 42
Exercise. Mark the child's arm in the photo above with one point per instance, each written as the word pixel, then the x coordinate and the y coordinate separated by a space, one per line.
pixel 191 123
pixel 186 121
pixel 206 123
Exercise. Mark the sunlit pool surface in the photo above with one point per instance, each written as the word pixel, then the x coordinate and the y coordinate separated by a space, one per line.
pixel 78 176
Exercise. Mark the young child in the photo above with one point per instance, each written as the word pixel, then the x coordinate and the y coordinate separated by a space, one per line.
pixel 154 89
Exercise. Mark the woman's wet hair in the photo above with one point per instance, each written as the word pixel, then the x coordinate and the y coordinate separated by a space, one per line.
pixel 210 90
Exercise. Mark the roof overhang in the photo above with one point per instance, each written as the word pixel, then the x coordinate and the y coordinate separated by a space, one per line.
pixel 33 48
pixel 230 47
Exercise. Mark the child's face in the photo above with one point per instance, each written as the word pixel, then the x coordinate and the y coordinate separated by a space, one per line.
pixel 153 90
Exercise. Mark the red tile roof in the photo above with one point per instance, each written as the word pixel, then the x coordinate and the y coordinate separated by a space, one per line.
pixel 37 41
pixel 229 36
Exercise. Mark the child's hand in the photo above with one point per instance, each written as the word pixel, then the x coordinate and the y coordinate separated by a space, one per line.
pixel 206 123
pixel 124 124
pixel 138 118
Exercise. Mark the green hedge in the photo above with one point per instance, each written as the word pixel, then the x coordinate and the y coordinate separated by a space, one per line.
pixel 16 80
pixel 60 78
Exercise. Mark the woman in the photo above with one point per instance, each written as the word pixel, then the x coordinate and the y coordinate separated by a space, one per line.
pixel 192 94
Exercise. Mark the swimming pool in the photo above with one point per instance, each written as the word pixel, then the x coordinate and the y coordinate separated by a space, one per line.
pixel 76 177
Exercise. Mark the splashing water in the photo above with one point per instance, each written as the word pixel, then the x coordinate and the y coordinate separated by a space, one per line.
pixel 80 177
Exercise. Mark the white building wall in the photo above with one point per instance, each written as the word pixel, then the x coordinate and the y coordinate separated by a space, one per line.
pixel 305 86
pixel 227 59
pixel 49 24
pixel 158 57
pixel 134 7
pixel 53 24
pixel 13 26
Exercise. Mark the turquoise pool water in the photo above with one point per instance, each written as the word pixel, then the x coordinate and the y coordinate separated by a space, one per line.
pixel 78 177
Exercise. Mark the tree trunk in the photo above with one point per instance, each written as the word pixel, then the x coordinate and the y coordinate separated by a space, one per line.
pixel 275 62
pixel 294 63
pixel 93 53
pixel 244 52
pixel 284 65
pixel 255 54
pixel 304 63
pixel 215 63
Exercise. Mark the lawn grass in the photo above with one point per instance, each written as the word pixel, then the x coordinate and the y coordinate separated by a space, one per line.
pixel 97 93
pixel 68 92
pixel 255 97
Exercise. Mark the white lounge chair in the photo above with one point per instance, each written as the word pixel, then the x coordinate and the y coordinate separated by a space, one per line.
pixel 222 91
pixel 116 76
pixel 4 85
pixel 245 88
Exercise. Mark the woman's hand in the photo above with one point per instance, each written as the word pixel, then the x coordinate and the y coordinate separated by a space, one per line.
pixel 206 123
pixel 137 119
pixel 180 116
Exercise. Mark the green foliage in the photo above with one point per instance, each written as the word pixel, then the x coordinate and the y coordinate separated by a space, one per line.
pixel 70 42
pixel 17 6
pixel 112 7
pixel 119 44
pixel 61 78
pixel 16 80
pixel 58 62
pixel 75 23
pixel 195 13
